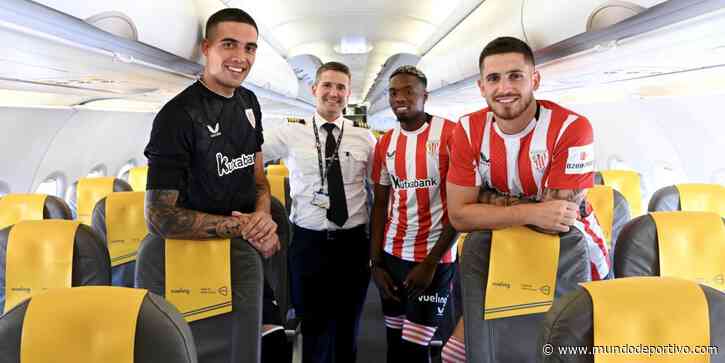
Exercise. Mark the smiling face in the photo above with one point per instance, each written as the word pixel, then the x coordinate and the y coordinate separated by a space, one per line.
pixel 331 92
pixel 407 97
pixel 230 51
pixel 508 83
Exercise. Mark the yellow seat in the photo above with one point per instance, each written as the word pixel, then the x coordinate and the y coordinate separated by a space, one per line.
pixel 628 183
pixel 119 218
pixel 46 254
pixel 277 170
pixel 95 324
pixel 86 192
pixel 686 245
pixel 137 178
pixel 611 210
pixel 636 319
pixel 31 207
pixel 690 198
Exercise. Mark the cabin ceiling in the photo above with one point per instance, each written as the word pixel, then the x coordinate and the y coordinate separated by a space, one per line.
pixel 317 27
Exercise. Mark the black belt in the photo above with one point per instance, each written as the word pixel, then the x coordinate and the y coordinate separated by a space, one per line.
pixel 332 235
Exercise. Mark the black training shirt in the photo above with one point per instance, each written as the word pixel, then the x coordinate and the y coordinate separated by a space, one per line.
pixel 203 145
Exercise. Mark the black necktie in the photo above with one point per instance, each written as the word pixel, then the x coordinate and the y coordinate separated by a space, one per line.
pixel 335 187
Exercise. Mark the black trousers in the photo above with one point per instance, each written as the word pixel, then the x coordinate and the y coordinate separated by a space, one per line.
pixel 329 281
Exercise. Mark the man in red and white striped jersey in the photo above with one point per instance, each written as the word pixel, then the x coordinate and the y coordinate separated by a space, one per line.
pixel 412 240
pixel 521 161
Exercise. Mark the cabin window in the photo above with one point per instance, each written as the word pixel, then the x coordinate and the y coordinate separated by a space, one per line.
pixel 98 171
pixel 4 188
pixel 52 185
pixel 124 171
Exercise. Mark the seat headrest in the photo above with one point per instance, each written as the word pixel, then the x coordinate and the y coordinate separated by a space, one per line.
pixel 627 182
pixel 137 178
pixel 95 324
pixel 633 312
pixel 86 192
pixel 35 255
pixel 277 170
pixel 689 198
pixel 19 207
pixel 611 209
pixel 671 244
pixel 119 218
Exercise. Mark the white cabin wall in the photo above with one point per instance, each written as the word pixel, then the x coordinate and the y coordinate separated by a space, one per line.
pixel 648 133
pixel 43 142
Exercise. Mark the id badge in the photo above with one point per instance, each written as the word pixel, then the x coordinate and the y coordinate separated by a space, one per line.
pixel 320 199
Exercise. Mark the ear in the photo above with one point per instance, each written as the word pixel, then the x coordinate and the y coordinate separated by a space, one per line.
pixel 536 80
pixel 425 97
pixel 481 89
pixel 314 89
pixel 205 47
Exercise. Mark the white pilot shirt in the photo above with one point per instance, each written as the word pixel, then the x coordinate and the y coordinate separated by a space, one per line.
pixel 295 144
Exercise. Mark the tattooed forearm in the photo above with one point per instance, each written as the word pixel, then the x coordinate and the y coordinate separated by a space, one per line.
pixel 575 196
pixel 489 196
pixel 263 203
pixel 165 219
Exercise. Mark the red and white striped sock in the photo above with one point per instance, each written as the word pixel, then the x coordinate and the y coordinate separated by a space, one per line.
pixel 417 333
pixel 454 351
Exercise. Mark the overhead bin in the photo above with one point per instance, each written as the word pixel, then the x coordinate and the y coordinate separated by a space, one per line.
pixel 380 85
pixel 171 25
pixel 48 48
pixel 454 57
pixel 540 23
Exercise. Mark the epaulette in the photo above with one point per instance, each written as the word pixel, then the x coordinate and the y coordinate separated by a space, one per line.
pixel 295 120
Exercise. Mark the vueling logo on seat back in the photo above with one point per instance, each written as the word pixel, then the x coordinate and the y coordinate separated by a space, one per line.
pixel 414 184
pixel 226 166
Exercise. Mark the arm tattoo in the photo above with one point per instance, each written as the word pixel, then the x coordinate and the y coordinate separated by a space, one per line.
pixel 165 219
pixel 490 196
pixel 575 196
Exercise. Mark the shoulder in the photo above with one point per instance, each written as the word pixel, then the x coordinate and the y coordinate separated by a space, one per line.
pixel 474 119
pixel 562 116
pixel 249 98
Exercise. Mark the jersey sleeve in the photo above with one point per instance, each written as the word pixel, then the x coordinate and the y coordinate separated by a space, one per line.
pixel 379 172
pixel 258 117
pixel 572 164
pixel 169 148
pixel 462 170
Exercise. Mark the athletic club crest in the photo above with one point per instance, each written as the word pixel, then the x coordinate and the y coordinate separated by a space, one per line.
pixel 432 147
pixel 539 158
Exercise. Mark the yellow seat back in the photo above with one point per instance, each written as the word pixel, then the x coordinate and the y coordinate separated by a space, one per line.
pixel 88 193
pixel 125 225
pixel 137 178
pixel 702 198
pixel 601 198
pixel 277 170
pixel 277 187
pixel 628 183
pixel 21 207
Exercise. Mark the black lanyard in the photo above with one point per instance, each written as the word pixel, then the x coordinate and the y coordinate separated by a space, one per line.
pixel 323 172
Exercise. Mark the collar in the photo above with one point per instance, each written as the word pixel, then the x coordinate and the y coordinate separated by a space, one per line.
pixel 321 121
pixel 212 93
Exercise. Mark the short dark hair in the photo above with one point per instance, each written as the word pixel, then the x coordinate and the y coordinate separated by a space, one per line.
pixel 229 14
pixel 413 71
pixel 333 66
pixel 506 45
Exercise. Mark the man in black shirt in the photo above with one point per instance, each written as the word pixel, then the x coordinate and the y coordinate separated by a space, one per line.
pixel 206 175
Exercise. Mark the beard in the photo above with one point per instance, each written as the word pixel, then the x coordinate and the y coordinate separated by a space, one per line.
pixel 513 110
pixel 410 117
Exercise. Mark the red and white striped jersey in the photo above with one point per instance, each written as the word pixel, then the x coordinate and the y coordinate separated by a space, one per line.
pixel 415 165
pixel 555 151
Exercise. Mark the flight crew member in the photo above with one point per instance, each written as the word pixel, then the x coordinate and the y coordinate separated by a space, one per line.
pixel 521 161
pixel 328 160
pixel 206 178
pixel 411 254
